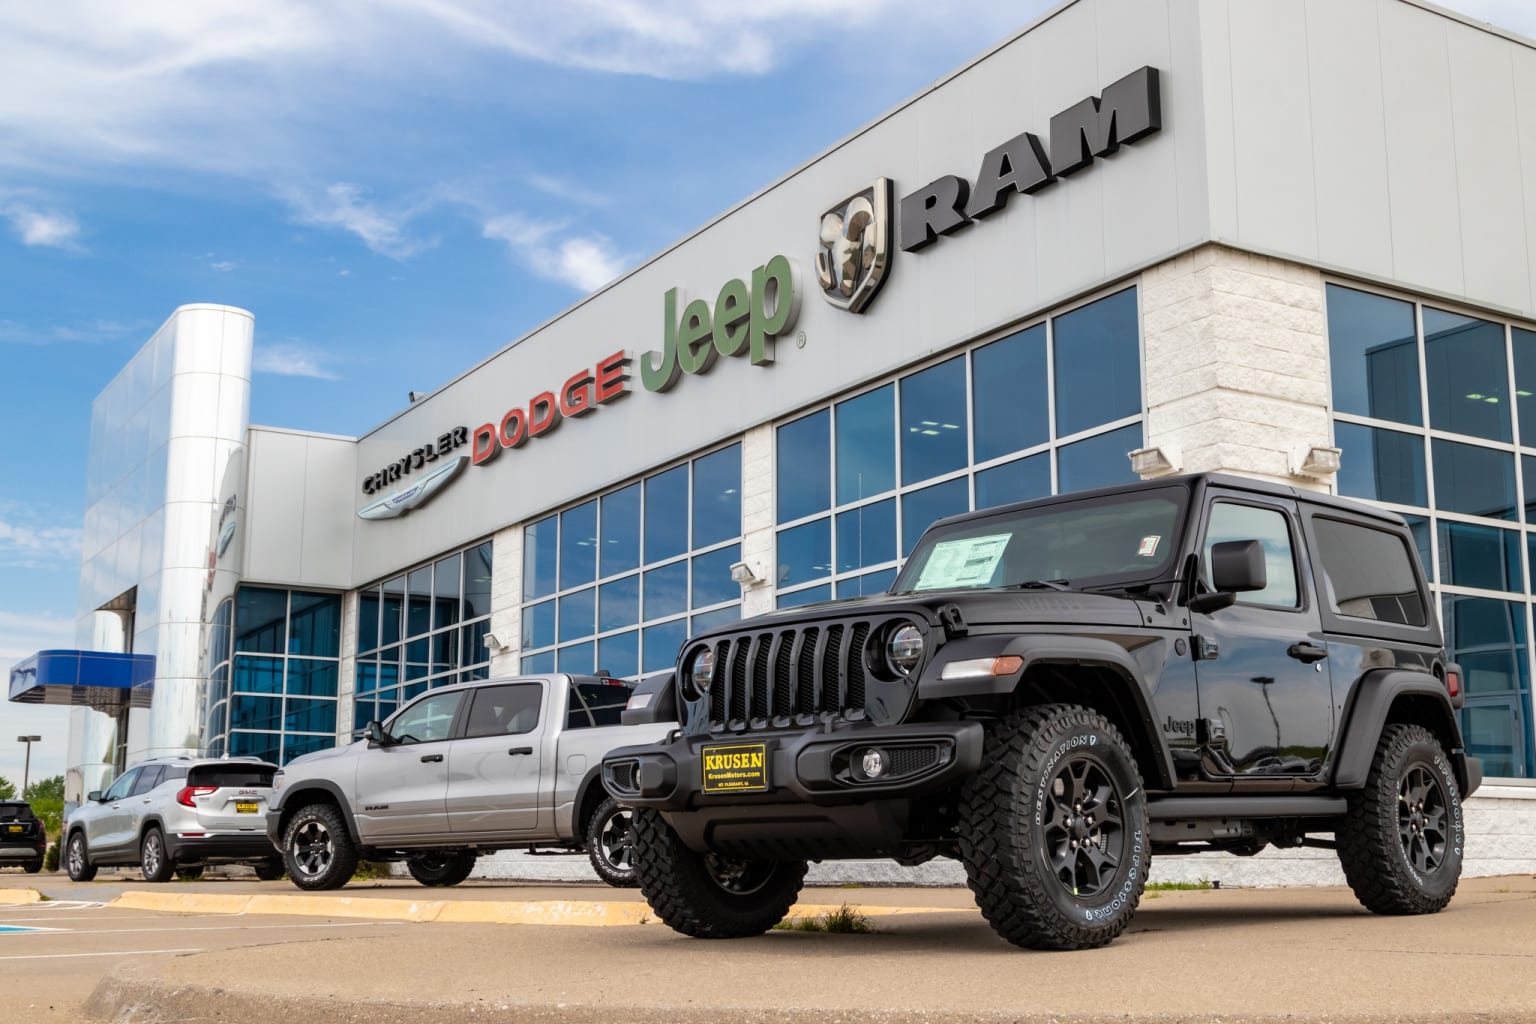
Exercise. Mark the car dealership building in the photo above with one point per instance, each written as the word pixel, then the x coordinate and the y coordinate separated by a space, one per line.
pixel 1288 240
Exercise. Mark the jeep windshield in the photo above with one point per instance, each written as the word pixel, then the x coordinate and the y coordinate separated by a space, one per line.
pixel 1105 540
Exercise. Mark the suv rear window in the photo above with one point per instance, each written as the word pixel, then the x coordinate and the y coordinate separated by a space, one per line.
pixel 1368 573
pixel 16 812
pixel 230 775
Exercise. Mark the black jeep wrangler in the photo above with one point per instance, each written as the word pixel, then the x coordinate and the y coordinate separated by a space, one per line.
pixel 1053 692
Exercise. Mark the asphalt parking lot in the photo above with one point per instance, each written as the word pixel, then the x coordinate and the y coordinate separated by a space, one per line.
pixel 393 951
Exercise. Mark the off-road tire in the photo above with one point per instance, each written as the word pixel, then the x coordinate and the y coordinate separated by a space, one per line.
pixel 32 867
pixel 154 863
pixel 705 896
pixel 190 874
pixel 77 859
pixel 440 867
pixel 317 848
pixel 611 844
pixel 270 870
pixel 1401 842
pixel 1017 830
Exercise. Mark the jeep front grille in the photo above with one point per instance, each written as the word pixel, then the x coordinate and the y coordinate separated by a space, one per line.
pixel 786 677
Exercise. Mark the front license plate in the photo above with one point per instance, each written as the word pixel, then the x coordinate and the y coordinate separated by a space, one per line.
pixel 246 806
pixel 738 768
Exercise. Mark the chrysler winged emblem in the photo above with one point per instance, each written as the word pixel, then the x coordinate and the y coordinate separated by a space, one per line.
pixel 402 501
pixel 854 254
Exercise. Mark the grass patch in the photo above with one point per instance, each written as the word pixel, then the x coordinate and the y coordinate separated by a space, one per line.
pixel 853 885
pixel 845 920
pixel 368 870
pixel 1204 883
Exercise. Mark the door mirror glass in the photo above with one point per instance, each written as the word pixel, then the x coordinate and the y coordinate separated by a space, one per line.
pixel 94 796
pixel 1237 566
pixel 376 734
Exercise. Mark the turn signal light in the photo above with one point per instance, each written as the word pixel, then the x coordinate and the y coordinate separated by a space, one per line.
pixel 186 793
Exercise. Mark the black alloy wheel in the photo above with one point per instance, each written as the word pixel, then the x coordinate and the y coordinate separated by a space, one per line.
pixel 1085 839
pixel 317 849
pixel 611 844
pixel 440 867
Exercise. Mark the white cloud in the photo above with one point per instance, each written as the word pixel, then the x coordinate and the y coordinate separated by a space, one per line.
pixel 585 262
pixel 52 228
pixel 222 266
pixel 24 544
pixel 94 332
pixel 287 359
pixel 346 206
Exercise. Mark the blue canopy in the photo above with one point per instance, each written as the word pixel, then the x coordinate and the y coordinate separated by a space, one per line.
pixel 96 679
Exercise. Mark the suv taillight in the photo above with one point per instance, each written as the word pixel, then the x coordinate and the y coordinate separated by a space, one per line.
pixel 186 794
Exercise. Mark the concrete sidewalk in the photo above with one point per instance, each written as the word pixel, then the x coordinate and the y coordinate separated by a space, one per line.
pixel 1228 955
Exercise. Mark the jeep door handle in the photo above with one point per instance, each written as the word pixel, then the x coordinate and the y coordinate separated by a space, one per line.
pixel 431 758
pixel 520 750
pixel 1306 653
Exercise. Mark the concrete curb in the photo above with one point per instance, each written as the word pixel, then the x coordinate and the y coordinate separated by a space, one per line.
pixel 19 897
pixel 579 913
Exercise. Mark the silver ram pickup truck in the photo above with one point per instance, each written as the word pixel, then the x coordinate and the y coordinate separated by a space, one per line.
pixel 511 763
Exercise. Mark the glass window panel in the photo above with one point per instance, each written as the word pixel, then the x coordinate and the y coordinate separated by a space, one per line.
pixel 265 745
pixel 314 624
pixel 1008 382
pixel 805 466
pixel 718 617
pixel 866 535
pixel 666 590
pixel 389 667
pixel 666 514
pixel 933 422
pixel 310 715
pixel 919 509
pixel 810 595
pixel 578 658
pixel 411 691
pixel 367 621
pixel 539 625
pixel 868 584
pixel 1419 527
pixel 477 581
pixel 1381 464
pixel 536 663
pixel 1366 573
pixel 620 548
pixel 312 678
pixel 394 611
pixel 367 676
pixel 712 583
pixel 363 712
pixel 1474 480
pixel 1019 480
pixel 260 620
pixel 717 496
pixel 1098 364
pixel 1485 557
pixel 866 445
pixel 619 655
pixel 541 542
pixel 578 614
pixel 297 746
pixel 473 650
pixel 1468 376
pixel 1524 343
pixel 1373 356
pixel 1269 527
pixel 578 545
pixel 418 601
pixel 661 645
pixel 258 675
pixel 418 658
pixel 504 710
pixel 445 651
pixel 1528 473
pixel 1487 638
pixel 805 553
pixel 618 604
pixel 446 588
pixel 247 711
pixel 1098 461
pixel 428 719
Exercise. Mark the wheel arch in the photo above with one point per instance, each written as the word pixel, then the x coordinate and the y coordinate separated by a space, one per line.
pixel 317 791
pixel 589 794
pixel 1388 696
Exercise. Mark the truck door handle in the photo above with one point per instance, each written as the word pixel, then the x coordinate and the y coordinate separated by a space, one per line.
pixel 520 750
pixel 1306 653
pixel 431 758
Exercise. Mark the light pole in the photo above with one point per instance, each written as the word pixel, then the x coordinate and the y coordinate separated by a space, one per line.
pixel 27 769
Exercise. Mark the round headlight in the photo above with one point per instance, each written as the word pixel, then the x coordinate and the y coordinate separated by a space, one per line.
pixel 905 649
pixel 702 670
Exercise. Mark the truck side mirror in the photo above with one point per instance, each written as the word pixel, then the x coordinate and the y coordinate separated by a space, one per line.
pixel 375 734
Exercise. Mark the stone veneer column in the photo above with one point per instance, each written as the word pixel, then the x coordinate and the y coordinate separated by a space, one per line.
pixel 1236 358
pixel 346 672
pixel 757 518
pixel 506 600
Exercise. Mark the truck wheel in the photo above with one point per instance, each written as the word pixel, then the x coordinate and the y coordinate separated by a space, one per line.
pixel 34 866
pixel 705 895
pixel 269 870
pixel 190 874
pixel 153 862
pixel 77 859
pixel 1053 829
pixel 610 847
pixel 1401 842
pixel 317 849
pixel 440 867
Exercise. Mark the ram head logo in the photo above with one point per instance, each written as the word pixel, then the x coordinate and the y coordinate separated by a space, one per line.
pixel 854 255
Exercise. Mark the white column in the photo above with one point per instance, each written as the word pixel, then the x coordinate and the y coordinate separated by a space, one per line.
pixel 757 518
pixel 506 599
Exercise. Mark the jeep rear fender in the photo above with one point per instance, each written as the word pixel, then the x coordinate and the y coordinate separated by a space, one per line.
pixel 1127 695
pixel 1396 695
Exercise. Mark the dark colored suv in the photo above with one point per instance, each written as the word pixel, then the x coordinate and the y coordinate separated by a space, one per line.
pixel 1054 692
pixel 23 840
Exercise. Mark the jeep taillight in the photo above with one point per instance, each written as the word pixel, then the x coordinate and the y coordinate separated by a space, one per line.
pixel 1453 682
pixel 187 794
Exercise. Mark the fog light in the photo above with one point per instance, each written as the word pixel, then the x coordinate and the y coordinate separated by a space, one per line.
pixel 873 763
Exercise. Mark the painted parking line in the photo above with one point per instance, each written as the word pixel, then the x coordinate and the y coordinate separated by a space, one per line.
pixel 82 956
pixel 208 928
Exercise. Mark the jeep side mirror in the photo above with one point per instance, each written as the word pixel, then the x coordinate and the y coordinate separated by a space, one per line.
pixel 94 796
pixel 1237 566
pixel 376 735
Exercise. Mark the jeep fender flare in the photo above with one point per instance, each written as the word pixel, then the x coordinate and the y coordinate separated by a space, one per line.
pixel 1054 649
pixel 1366 713
pixel 308 786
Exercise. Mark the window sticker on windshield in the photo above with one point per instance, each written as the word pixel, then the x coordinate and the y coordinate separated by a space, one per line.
pixel 1148 547
pixel 968 562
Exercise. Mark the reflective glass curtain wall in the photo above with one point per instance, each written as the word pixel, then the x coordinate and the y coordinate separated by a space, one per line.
pixel 1053 407
pixel 1435 411
pixel 618 581
pixel 425 627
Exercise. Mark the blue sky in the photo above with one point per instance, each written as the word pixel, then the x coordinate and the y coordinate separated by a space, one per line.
pixel 396 189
